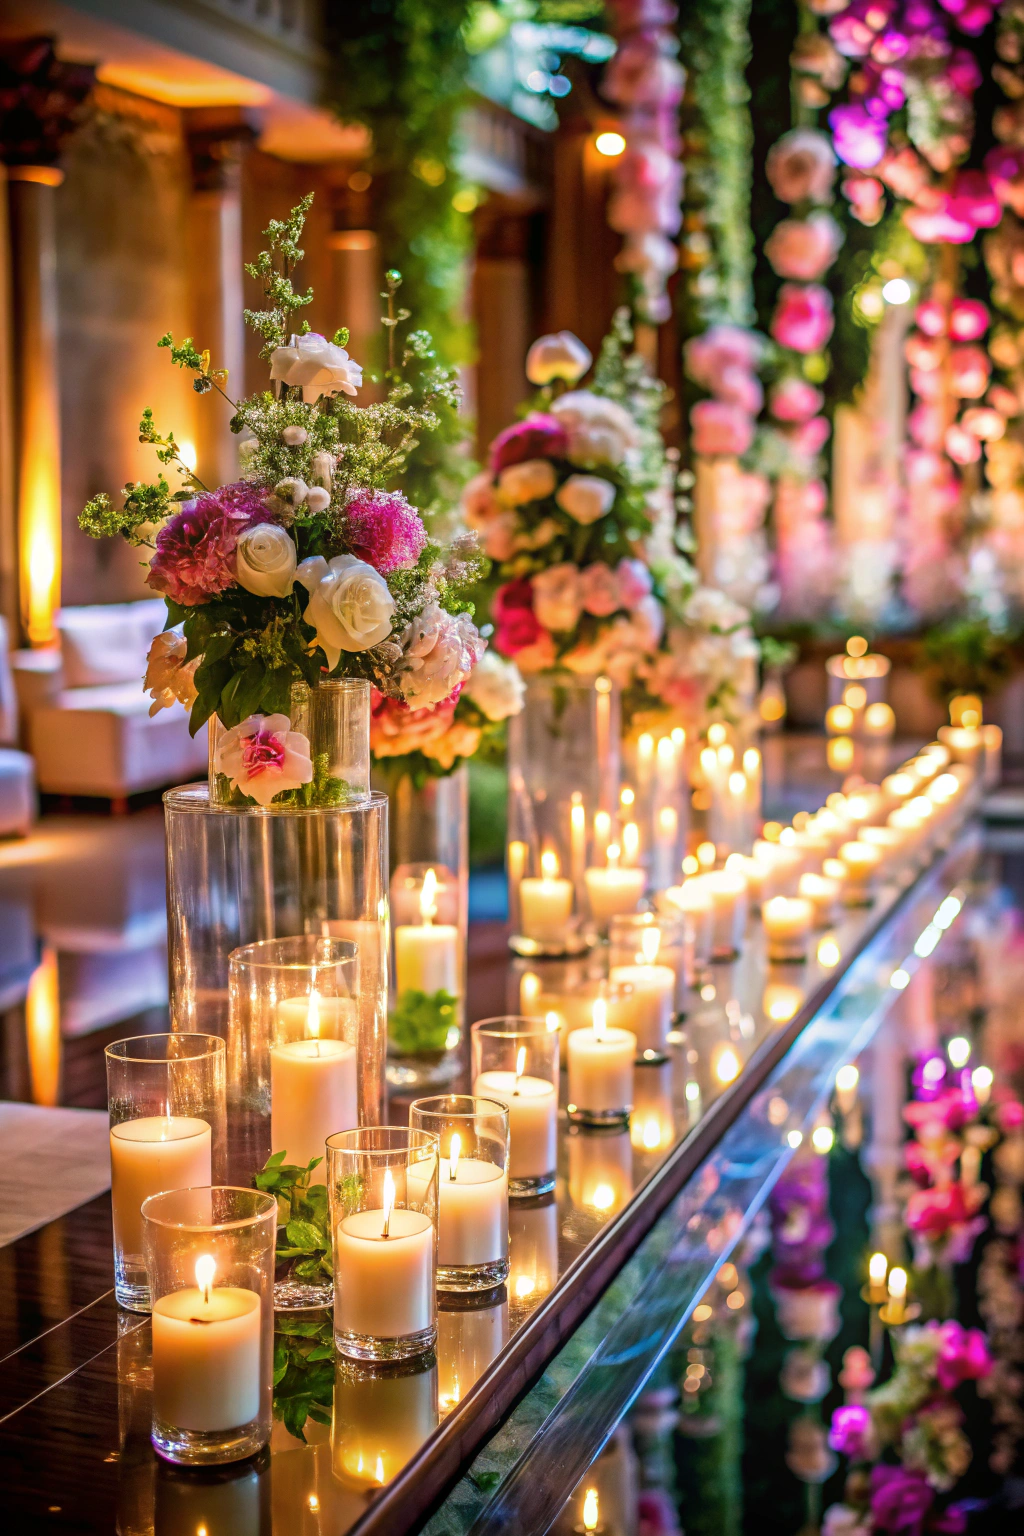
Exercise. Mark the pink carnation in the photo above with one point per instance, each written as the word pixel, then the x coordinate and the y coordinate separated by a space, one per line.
pixel 195 550
pixel 804 248
pixel 384 530
pixel 719 427
pixel 803 317
pixel 538 437
pixel 793 399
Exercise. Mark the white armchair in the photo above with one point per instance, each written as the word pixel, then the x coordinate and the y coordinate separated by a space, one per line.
pixel 17 779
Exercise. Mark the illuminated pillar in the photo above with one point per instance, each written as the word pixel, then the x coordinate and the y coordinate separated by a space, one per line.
pixel 8 483
pixel 356 283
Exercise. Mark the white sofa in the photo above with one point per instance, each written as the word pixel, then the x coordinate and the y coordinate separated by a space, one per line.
pixel 87 716
pixel 17 778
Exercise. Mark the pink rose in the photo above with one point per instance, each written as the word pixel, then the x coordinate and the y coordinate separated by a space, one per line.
pixel 859 138
pixel 539 436
pixel 738 387
pixel 598 590
pixel 810 437
pixel 804 248
pixel 720 428
pixel 718 348
pixel 793 399
pixel 968 319
pixel 516 626
pixel 635 582
pixel 803 317
pixel 556 596
pixel 801 166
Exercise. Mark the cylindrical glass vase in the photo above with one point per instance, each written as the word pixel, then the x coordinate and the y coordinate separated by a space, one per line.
pixel 563 802
pixel 166 1099
pixel 472 1188
pixel 515 1060
pixel 210 1256
pixel 316 755
pixel 382 1184
pixel 429 889
pixel 241 877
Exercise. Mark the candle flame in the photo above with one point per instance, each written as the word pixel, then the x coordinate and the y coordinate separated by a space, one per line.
pixel 666 750
pixel 645 744
pixel 631 841
pixel 600 1017
pixel 650 943
pixel 388 1200
pixel 897 1284
pixel 454 1149
pixel 313 1016
pixel 602 825
pixel 668 823
pixel 578 818
pixel 553 1022
pixel 590 1510
pixel 206 1268
pixel 751 761
pixel 717 734
pixel 549 864
pixel 428 898
pixel 521 1062
pixel 613 855
pixel 737 783
pixel 706 855
pixel 626 797
pixel 878 1266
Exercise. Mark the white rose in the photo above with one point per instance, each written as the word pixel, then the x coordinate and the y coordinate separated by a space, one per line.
pixel 586 497
pixel 556 596
pixel 560 356
pixel 317 499
pixel 294 437
pixel 530 481
pixel 317 365
pixel 349 605
pixel 265 561
pixel 599 430
pixel 495 687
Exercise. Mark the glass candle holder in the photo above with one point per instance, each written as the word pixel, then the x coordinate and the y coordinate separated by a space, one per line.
pixel 691 903
pixel 472 1188
pixel 382 1185
pixel 788 921
pixel 515 1060
pixel 471 1333
pixel 600 1062
pixel 166 1100
pixel 210 1255
pixel 328 724
pixel 650 980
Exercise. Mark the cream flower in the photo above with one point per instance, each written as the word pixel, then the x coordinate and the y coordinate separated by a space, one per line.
pixel 170 679
pixel 317 366
pixel 263 757
pixel 586 497
pixel 530 481
pixel 599 590
pixel 558 356
pixel 441 650
pixel 265 561
pixel 599 430
pixel 556 596
pixel 495 687
pixel 350 606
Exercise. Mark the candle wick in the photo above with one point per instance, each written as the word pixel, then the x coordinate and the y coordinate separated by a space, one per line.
pixel 387 1222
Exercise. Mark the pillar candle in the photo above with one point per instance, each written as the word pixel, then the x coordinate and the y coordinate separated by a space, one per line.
pixel 313 1093
pixel 787 925
pixel 472 1216
pixel 862 863
pixel 545 903
pixel 384 1284
pixel 693 900
pixel 728 891
pixel 613 889
pixel 781 867
pixel 823 894
pixel 890 842
pixel 206 1355
pixel 648 1004
pixel 147 1156
pixel 601 1067
pixel 427 953
pixel 532 1105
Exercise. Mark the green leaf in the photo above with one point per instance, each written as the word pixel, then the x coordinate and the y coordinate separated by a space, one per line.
pixel 304 1235
pixel 420 1021
pixel 298 1327
pixel 321 1352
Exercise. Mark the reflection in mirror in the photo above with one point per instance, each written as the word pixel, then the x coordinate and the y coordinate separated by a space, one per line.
pixel 600 1170
pixel 382 1415
pixel 231 1501
pixel 469 1337
pixel 533 1254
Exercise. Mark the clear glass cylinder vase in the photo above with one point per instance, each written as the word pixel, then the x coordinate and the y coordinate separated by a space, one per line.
pixel 237 877
pixel 429 890
pixel 563 810
pixel 318 755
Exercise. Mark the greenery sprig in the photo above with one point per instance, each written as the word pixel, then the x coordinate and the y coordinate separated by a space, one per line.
pixel 282 236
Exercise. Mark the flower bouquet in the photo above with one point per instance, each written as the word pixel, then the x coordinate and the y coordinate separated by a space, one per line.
pixel 307 567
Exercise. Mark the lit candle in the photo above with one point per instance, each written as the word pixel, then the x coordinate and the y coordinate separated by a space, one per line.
pixel 472 1207
pixel 895 1310
pixel 862 863
pixel 728 891
pixel 532 1105
pixel 545 904
pixel 823 895
pixel 878 1269
pixel 427 953
pixel 648 1004
pixel 787 925
pixel 148 1155
pixel 966 743
pixel 891 843
pixel 313 1089
pixel 847 1079
pixel 384 1263
pixel 600 1069
pixel 781 867
pixel 206 1355
pixel 613 889
pixel 693 900
pixel 516 857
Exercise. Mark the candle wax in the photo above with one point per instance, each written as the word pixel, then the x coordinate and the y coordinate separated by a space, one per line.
pixel 148 1155
pixel 206 1358
pixel 613 890
pixel 472 1217
pixel 427 959
pixel 384 1286
pixel 312 1095
pixel 545 907
pixel 647 1009
pixel 601 1069
pixel 532 1121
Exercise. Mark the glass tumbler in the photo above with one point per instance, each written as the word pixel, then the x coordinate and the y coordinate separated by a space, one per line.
pixel 166 1100
pixel 210 1255
pixel 515 1060
pixel 382 1186
pixel 472 1188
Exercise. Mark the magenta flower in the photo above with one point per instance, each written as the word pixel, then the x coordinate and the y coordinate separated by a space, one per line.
pixel 850 1432
pixel 803 317
pixel 859 138
pixel 718 349
pixel 384 530
pixel 539 436
pixel 793 399
pixel 974 200
pixel 719 427
pixel 900 1500
pixel 195 550
pixel 963 1355
pixel 935 1212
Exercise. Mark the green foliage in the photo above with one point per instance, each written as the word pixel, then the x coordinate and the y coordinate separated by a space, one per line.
pixel 303 1371
pixel 273 268
pixel 253 649
pixel 304 1238
pixel 185 355
pixel 968 656
pixel 777 654
pixel 143 505
pixel 420 1021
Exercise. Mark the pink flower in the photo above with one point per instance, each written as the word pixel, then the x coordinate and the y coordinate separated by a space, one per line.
pixel 933 1212
pixel 866 196
pixel 900 1500
pixel 963 1355
pixel 974 201
pixel 195 549
pixel 942 224
pixel 801 166
pixel 718 348
pixel 962 446
pixel 516 626
pixel 742 389
pixel 803 317
pixel 557 597
pixel 970 369
pixel 263 757
pixel 804 248
pixel 930 317
pixel 904 173
pixel 384 530
pixel 968 319
pixel 850 1433
pixel 396 729
pixel 635 582
pixel 720 428
pixel 599 590
pixel 1005 168
pixel 860 139
pixel 793 399
pixel 538 436
pixel 640 74
pixel 647 192
pixel 809 437
pixel 924 352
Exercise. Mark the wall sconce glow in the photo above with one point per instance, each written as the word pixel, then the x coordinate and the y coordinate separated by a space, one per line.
pixel 188 454
pixel 42 1031
pixel 897 291
pixel 609 144
pixel 42 570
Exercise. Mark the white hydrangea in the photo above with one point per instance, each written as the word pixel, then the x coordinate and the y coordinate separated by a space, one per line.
pixel 496 687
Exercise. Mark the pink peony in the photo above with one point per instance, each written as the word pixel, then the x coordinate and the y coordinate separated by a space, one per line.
pixel 793 399
pixel 384 530
pixel 195 549
pixel 538 436
pixel 804 248
pixel 599 590
pixel 963 1354
pixel 801 166
pixel 635 582
pixel 720 428
pixel 860 139
pixel 803 317
pixel 516 626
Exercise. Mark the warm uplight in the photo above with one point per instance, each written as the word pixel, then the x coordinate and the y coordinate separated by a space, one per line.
pixel 590 1506
pixel 42 1031
pixel 206 1268
pixel 609 144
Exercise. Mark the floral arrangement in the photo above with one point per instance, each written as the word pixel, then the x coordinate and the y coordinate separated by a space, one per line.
pixel 306 564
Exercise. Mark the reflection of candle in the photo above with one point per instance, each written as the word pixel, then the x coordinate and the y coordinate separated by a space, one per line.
pixel 380 1419
pixel 532 1120
pixel 149 1155
pixel 467 1341
pixel 787 925
pixel 384 1260
pixel 545 904
pixel 600 1171
pixel 312 1090
pixel 427 953
pixel 206 1355
pixel 652 1124
pixel 613 889
pixel 532 1251
pixel 472 1220
pixel 601 1067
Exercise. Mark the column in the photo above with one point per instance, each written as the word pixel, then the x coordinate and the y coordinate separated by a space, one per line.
pixel 8 481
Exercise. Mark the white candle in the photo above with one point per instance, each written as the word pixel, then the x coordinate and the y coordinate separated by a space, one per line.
pixel 384 1271
pixel 427 953
pixel 823 894
pixel 147 1156
pixel 728 891
pixel 613 889
pixel 206 1355
pixel 965 743
pixel 313 1090
pixel 601 1067
pixel 545 904
pixel 781 867
pixel 890 842
pixel 648 1005
pixel 787 925
pixel 862 863
pixel 693 900
pixel 472 1216
pixel 334 1015
pixel 532 1105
